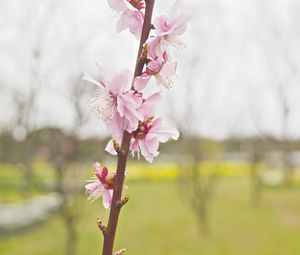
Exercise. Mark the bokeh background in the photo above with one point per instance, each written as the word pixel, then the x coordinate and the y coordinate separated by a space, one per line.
pixel 230 185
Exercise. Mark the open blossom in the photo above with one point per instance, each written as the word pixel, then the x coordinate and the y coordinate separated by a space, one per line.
pixel 161 68
pixel 115 103
pixel 147 137
pixel 168 29
pixel 147 109
pixel 133 20
pixel 132 15
pixel 102 185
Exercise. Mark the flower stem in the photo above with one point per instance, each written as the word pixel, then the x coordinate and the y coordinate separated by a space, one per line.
pixel 109 234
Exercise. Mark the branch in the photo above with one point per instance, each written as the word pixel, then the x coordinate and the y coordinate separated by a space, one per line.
pixel 110 232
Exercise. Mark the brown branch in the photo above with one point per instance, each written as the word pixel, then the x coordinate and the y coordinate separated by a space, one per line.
pixel 110 232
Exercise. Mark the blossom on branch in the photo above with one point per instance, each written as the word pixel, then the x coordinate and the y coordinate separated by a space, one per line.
pixel 168 29
pixel 146 138
pixel 147 109
pixel 161 68
pixel 102 185
pixel 115 103
pixel 132 15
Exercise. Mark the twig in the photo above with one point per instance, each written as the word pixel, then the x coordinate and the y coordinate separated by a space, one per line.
pixel 110 232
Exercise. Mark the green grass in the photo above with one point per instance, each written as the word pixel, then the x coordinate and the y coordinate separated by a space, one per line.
pixel 157 220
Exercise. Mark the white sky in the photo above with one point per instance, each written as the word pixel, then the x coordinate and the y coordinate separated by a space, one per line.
pixel 239 53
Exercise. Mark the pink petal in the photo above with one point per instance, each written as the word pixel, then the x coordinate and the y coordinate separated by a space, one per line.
pixel 107 198
pixel 121 24
pixel 156 47
pixel 147 109
pixel 145 152
pixel 97 167
pixel 161 25
pixel 154 66
pixel 168 69
pixel 120 106
pixel 164 134
pixel 141 82
pixel 149 149
pixel 134 146
pixel 134 21
pixel 104 172
pixel 116 125
pixel 117 5
pixel 120 82
pixel 92 80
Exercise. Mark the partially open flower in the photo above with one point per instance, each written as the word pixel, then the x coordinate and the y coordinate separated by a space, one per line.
pixel 102 185
pixel 161 68
pixel 147 137
pixel 132 15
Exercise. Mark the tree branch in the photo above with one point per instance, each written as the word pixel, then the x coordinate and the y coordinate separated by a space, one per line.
pixel 110 232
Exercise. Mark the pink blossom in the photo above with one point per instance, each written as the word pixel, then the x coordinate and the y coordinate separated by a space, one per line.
pixel 115 103
pixel 102 185
pixel 147 109
pixel 147 137
pixel 161 68
pixel 174 25
pixel 132 15
pixel 133 20
pixel 167 30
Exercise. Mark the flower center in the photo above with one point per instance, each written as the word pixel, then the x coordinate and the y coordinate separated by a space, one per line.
pixel 142 131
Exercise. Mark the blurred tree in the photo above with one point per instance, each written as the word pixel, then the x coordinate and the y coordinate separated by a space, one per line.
pixel 198 183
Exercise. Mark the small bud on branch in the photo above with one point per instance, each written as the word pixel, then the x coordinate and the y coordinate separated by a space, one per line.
pixel 124 200
pixel 117 146
pixel 101 226
pixel 120 252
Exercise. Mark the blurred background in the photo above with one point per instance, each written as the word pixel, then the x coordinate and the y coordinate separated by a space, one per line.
pixel 230 185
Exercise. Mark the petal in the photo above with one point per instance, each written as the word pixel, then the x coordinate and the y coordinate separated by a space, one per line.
pixel 107 198
pixel 132 121
pixel 116 125
pixel 120 106
pixel 161 25
pixel 164 134
pixel 144 151
pixel 154 98
pixel 134 146
pixel 89 78
pixel 97 167
pixel 154 66
pixel 141 82
pixel 120 82
pixel 147 109
pixel 121 23
pixel 117 5
pixel 168 69
pixel 134 21
pixel 156 47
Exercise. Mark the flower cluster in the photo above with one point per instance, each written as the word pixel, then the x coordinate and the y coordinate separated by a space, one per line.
pixel 122 102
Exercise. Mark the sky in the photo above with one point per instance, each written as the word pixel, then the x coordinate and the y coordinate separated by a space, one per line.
pixel 239 70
